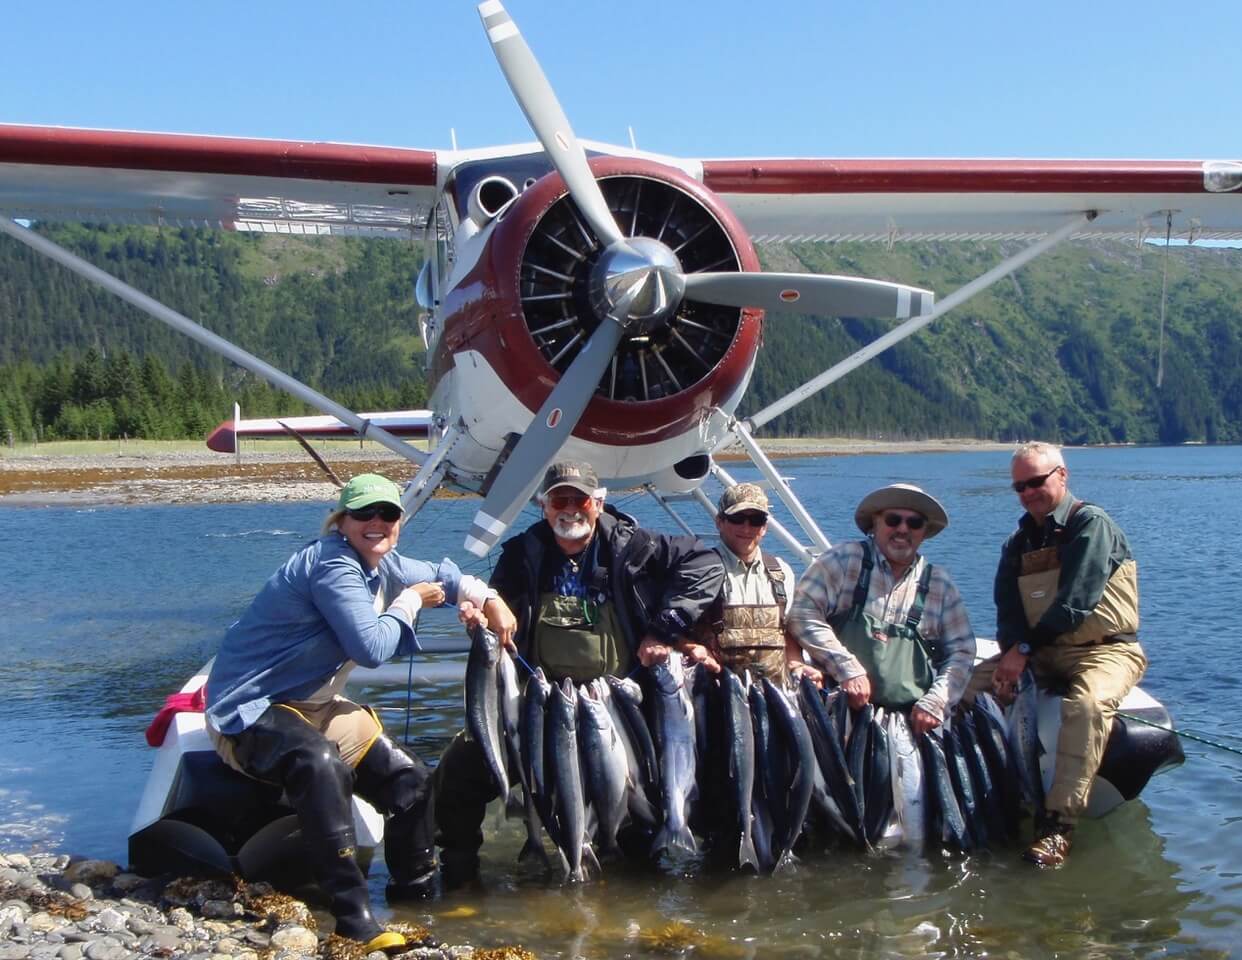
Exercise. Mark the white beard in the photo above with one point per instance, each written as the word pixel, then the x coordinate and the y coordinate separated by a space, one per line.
pixel 571 526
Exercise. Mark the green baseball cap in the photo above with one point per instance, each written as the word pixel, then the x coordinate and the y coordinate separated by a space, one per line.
pixel 366 489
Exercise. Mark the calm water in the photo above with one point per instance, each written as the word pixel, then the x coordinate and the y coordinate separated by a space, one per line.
pixel 103 611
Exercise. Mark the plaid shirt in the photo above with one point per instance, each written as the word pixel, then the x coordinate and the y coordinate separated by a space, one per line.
pixel 827 589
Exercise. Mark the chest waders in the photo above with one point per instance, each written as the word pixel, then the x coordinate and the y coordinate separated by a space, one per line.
pixel 751 635
pixel 1115 617
pixel 579 638
pixel 896 656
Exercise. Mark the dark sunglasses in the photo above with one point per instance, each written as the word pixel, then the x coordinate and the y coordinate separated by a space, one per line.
pixel 895 520
pixel 1034 483
pixel 388 512
pixel 563 501
pixel 754 519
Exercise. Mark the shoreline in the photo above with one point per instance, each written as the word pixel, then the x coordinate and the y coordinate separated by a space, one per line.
pixel 72 908
pixel 116 474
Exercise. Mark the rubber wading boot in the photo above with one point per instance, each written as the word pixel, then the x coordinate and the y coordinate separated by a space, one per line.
pixel 1052 844
pixel 281 747
pixel 336 869
pixel 458 868
pixel 400 785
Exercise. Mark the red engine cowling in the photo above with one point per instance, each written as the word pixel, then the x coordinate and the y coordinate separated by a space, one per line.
pixel 524 306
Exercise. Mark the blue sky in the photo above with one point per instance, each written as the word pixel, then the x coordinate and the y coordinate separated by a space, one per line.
pixel 1092 78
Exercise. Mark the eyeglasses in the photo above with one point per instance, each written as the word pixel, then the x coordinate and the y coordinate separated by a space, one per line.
pixel 754 519
pixel 388 512
pixel 563 501
pixel 1034 483
pixel 895 520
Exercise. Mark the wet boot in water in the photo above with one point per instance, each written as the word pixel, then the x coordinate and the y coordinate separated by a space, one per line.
pixel 400 785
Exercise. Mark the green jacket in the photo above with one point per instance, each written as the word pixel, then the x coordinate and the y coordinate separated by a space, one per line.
pixel 1091 548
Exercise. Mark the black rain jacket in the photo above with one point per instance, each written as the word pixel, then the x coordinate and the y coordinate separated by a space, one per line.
pixel 659 584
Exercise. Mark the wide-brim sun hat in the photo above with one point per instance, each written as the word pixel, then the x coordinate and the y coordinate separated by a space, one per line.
pixel 901 496
pixel 367 489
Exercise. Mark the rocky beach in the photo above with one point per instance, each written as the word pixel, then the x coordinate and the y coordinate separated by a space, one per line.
pixel 56 907
pixel 113 473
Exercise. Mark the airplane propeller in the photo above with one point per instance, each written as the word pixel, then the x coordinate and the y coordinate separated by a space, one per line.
pixel 544 114
pixel 636 284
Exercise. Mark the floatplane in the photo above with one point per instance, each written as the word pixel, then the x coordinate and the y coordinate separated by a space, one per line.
pixel 579 299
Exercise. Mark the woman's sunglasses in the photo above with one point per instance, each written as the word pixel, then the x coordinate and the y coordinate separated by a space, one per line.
pixel 895 520
pixel 754 519
pixel 388 512
pixel 1034 483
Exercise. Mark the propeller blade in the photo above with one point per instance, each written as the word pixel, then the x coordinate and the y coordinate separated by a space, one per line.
pixel 544 114
pixel 811 293
pixel 549 429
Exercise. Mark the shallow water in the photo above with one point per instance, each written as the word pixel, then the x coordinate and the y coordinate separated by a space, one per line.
pixel 103 611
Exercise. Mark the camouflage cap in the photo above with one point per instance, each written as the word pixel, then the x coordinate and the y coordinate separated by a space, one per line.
pixel 743 496
pixel 570 473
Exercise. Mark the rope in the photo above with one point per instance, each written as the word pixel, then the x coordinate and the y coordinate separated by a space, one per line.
pixel 1181 733
pixel 409 687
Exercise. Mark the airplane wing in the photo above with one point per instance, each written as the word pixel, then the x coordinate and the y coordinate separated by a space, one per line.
pixel 976 199
pixel 276 186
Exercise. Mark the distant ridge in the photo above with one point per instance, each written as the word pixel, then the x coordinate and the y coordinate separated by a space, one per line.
pixel 1064 350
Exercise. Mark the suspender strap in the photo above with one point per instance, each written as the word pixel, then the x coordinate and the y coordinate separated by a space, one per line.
pixel 864 581
pixel 920 598
pixel 776 579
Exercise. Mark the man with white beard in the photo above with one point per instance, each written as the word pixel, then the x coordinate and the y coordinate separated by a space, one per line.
pixel 585 592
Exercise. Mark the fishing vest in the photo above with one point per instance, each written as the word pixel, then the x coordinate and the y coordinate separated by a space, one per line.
pixel 896 656
pixel 750 635
pixel 1115 617
pixel 580 637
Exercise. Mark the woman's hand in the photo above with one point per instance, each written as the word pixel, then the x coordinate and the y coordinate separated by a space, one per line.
pixel 471 616
pixel 431 593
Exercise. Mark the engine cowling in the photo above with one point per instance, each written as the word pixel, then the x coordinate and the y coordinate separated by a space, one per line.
pixel 527 304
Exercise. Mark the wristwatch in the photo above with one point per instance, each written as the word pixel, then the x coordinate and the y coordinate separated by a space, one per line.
pixel 1024 648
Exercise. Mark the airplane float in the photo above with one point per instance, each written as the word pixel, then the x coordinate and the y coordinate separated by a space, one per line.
pixel 579 299
pixel 583 299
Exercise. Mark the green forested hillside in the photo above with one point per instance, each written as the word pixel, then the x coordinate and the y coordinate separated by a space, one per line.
pixel 1064 350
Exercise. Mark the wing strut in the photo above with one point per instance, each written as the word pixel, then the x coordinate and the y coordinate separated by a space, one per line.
pixel 916 323
pixel 782 488
pixel 182 323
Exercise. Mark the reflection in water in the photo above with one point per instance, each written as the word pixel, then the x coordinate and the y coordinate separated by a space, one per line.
pixel 1117 894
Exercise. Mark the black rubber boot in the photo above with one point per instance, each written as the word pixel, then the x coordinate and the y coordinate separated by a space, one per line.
pixel 399 784
pixel 283 748
pixel 463 789
pixel 336 870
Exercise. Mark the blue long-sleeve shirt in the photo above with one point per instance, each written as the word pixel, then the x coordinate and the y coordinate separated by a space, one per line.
pixel 317 612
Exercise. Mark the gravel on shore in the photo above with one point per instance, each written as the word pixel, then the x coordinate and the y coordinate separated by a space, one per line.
pixel 57 907
pixel 32 478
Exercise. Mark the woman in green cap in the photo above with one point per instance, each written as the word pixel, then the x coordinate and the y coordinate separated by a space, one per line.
pixel 276 712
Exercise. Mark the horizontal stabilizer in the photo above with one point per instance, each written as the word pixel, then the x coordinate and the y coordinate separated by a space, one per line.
pixel 401 423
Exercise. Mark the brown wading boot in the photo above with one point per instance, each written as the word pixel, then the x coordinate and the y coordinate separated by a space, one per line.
pixel 1052 843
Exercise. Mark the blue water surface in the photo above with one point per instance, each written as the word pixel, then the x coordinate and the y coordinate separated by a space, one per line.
pixel 105 610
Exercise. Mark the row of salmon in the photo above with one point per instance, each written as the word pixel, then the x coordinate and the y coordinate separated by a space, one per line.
pixel 737 768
